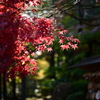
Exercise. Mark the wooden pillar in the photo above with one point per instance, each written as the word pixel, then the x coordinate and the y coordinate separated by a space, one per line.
pixel 14 89
pixel 23 88
pixel 0 87
pixel 4 88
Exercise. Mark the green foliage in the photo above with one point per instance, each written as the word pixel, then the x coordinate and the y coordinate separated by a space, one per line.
pixel 80 85
pixel 67 21
pixel 76 74
pixel 76 96
pixel 79 90
pixel 46 86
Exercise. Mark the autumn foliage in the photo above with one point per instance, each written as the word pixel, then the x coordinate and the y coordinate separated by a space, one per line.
pixel 16 32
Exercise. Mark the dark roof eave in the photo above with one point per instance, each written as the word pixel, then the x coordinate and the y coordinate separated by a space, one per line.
pixel 87 63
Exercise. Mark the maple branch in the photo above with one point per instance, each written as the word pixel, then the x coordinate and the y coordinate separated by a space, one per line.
pixel 75 17
pixel 62 10
pixel 56 9
pixel 69 5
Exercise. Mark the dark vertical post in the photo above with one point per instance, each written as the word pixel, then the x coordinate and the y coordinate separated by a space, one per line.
pixel 0 87
pixel 52 59
pixel 81 14
pixel 23 88
pixel 4 87
pixel 52 64
pixel 14 89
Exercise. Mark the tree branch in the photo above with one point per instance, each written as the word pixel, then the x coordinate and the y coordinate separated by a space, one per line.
pixel 82 20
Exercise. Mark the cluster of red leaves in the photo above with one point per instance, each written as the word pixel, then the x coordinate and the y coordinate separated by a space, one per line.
pixel 19 2
pixel 16 31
